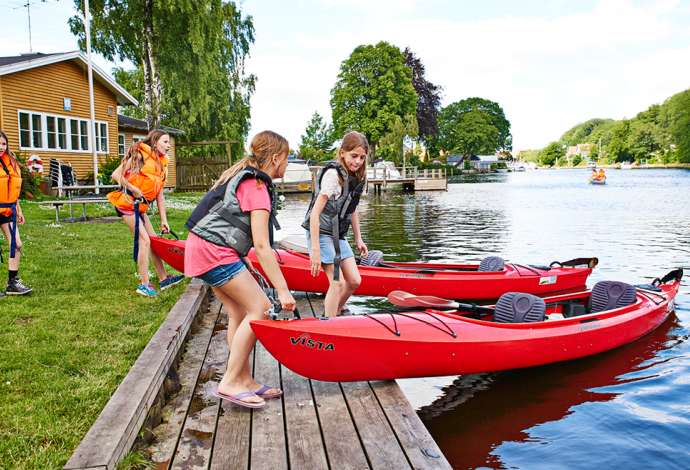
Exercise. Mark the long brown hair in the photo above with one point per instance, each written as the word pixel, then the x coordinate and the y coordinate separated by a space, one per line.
pixel 13 158
pixel 134 160
pixel 351 141
pixel 264 145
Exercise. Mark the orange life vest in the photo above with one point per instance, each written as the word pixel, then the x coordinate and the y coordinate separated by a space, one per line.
pixel 10 183
pixel 150 180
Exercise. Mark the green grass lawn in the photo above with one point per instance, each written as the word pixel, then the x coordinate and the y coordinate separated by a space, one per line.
pixel 65 347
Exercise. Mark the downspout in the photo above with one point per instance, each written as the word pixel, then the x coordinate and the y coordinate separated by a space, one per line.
pixel 2 108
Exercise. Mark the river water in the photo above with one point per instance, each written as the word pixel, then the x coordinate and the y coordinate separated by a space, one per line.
pixel 628 407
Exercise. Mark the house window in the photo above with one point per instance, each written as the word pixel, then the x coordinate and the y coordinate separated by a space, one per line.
pixel 84 134
pixel 30 126
pixel 121 145
pixel 101 137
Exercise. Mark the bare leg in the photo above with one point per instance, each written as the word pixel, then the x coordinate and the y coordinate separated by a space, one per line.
pixel 235 315
pixel 157 263
pixel 13 263
pixel 253 305
pixel 144 248
pixel 352 278
pixel 334 293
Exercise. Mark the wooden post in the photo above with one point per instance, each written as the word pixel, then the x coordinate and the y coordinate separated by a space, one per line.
pixel 228 149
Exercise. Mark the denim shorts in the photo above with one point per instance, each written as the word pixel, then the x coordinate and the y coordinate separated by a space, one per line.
pixel 327 249
pixel 222 274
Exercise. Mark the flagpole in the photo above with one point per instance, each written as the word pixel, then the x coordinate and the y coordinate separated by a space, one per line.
pixel 92 134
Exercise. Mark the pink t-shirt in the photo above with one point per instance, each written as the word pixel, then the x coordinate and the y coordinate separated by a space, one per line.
pixel 200 256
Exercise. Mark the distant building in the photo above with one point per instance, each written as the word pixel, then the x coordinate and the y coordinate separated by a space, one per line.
pixel 584 150
pixel 45 111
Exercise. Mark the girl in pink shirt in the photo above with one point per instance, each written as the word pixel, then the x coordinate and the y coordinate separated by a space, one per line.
pixel 234 216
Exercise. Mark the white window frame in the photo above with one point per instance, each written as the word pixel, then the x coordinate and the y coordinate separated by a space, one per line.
pixel 68 133
pixel 99 141
pixel 122 146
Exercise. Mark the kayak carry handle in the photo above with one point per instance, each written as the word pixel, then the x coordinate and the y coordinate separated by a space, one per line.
pixel 590 262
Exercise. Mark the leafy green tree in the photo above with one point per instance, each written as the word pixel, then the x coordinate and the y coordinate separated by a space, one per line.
pixel 374 87
pixel 618 149
pixel 429 98
pixel 391 145
pixel 469 132
pixel 317 141
pixel 583 133
pixel 550 154
pixel 677 117
pixel 473 126
pixel 190 55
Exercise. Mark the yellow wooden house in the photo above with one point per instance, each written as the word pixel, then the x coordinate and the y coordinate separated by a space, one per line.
pixel 44 110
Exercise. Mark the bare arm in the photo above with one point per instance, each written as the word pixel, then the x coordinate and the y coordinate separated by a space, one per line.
pixel 160 200
pixel 259 221
pixel 361 246
pixel 314 225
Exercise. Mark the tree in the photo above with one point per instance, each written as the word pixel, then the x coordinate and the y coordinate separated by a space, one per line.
pixel 190 54
pixel 495 114
pixel 317 141
pixel 677 115
pixel 374 87
pixel 391 145
pixel 550 154
pixel 428 98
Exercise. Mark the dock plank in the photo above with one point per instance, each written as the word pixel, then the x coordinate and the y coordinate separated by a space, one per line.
pixel 233 436
pixel 377 437
pixel 419 446
pixel 268 427
pixel 196 440
pixel 305 446
pixel 343 446
pixel 173 414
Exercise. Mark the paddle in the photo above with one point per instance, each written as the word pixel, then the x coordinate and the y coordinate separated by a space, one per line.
pixel 405 299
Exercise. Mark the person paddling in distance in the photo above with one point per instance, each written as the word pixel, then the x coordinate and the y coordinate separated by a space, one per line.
pixel 238 213
pixel 11 215
pixel 331 212
pixel 142 175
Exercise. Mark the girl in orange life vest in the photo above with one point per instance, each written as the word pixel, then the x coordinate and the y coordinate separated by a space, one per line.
pixel 142 175
pixel 236 214
pixel 350 170
pixel 10 187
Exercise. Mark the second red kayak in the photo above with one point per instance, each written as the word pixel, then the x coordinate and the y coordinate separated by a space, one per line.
pixel 455 281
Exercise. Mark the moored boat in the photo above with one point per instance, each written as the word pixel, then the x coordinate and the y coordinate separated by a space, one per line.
pixel 521 330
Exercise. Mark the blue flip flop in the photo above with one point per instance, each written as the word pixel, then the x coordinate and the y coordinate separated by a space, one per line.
pixel 265 388
pixel 238 399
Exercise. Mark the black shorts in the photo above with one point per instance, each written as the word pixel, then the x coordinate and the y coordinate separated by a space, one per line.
pixel 5 219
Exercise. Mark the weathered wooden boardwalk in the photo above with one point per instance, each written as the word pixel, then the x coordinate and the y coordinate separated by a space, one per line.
pixel 314 425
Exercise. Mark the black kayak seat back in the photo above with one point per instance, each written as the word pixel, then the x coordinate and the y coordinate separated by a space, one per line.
pixel 607 295
pixel 373 258
pixel 492 264
pixel 517 307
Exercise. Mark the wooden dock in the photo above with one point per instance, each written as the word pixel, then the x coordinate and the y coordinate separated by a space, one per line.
pixel 315 425
pixel 411 179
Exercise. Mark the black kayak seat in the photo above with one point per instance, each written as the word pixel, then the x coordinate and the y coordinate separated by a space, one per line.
pixel 517 307
pixel 492 264
pixel 607 295
pixel 373 258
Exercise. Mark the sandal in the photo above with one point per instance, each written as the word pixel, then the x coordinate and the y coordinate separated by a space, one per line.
pixel 262 392
pixel 239 399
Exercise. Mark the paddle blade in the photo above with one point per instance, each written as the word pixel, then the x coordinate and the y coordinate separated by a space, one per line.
pixel 405 299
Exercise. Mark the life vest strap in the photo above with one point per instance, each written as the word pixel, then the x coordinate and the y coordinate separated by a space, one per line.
pixel 13 228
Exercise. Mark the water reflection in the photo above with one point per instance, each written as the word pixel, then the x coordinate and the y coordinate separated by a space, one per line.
pixel 628 407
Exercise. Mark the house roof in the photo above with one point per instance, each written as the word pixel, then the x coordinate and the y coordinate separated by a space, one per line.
pixel 20 63
pixel 126 122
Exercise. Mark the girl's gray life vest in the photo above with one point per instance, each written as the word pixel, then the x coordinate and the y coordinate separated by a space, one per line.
pixel 219 219
pixel 336 217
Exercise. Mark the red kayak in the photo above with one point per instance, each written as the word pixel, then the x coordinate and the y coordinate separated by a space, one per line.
pixel 522 330
pixel 455 281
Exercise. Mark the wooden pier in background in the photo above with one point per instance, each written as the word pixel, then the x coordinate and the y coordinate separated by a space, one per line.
pixel 314 425
pixel 411 179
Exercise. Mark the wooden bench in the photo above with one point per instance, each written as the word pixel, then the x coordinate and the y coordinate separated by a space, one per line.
pixel 57 204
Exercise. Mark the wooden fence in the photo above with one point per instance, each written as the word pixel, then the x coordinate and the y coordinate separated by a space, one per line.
pixel 199 174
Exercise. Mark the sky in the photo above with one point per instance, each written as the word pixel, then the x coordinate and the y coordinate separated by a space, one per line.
pixel 550 65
